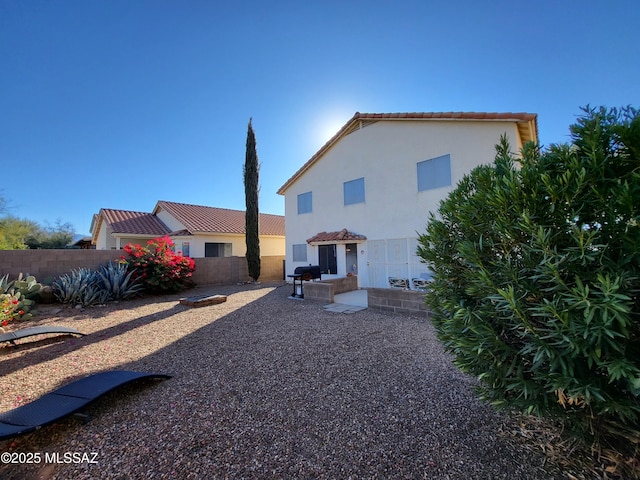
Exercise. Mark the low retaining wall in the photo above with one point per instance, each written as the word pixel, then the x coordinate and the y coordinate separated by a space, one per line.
pixel 397 301
pixel 325 290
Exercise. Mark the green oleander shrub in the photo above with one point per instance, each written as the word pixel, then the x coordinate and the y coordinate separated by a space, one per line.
pixel 536 287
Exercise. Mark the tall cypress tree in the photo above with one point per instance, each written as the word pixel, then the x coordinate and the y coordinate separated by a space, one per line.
pixel 252 239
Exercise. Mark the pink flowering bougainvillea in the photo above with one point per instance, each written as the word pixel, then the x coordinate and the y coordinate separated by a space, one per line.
pixel 160 268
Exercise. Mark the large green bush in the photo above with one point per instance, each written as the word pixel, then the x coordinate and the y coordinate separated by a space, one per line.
pixel 536 265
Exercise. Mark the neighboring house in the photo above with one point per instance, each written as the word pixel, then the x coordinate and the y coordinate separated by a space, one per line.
pixel 198 231
pixel 358 205
pixel 82 243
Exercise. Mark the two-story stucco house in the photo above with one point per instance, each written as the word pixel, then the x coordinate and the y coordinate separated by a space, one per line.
pixel 358 205
pixel 198 231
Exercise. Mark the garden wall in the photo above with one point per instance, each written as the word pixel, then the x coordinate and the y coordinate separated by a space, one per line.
pixel 46 265
pixel 324 290
pixel 397 301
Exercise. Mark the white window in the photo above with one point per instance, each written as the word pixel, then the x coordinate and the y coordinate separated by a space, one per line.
pixel 434 173
pixel 300 252
pixel 305 203
pixel 354 191
pixel 217 249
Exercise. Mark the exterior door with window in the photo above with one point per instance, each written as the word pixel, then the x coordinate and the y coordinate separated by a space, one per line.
pixel 327 259
pixel 351 250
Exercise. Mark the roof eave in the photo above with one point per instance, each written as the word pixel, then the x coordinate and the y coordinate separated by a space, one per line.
pixel 528 133
pixel 138 235
pixel 346 127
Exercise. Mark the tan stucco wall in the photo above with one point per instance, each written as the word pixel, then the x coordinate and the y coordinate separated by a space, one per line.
pixel 269 246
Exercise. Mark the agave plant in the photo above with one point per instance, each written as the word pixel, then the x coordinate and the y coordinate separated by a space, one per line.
pixel 82 287
pixel 5 284
pixel 117 281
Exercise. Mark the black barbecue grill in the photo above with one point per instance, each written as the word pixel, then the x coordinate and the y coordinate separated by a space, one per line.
pixel 300 274
pixel 312 272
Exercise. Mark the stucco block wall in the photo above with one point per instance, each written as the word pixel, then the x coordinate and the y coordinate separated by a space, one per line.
pixel 46 265
pixel 226 270
pixel 325 290
pixel 344 284
pixel 319 292
pixel 397 301
pixel 271 267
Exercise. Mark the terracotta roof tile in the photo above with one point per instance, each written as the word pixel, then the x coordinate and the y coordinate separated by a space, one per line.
pixel 527 126
pixel 180 233
pixel 198 219
pixel 341 236
pixel 137 223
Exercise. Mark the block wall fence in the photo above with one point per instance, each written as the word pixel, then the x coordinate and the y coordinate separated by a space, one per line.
pixel 46 265
pixel 397 301
pixel 389 300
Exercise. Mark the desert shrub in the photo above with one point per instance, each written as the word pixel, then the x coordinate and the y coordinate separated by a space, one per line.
pixel 158 266
pixel 536 276
pixel 115 279
pixel 86 287
pixel 8 309
pixel 17 298
pixel 82 287
pixel 26 285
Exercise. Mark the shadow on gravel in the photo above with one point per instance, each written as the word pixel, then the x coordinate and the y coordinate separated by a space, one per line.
pixel 53 347
pixel 283 389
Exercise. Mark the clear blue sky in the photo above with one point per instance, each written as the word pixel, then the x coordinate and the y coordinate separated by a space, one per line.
pixel 119 104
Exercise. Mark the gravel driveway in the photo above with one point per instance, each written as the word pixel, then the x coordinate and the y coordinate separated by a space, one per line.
pixel 262 387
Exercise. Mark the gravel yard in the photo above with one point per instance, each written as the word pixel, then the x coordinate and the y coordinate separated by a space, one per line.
pixel 262 387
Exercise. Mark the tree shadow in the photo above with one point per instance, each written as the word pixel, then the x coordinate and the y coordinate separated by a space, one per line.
pixel 274 379
pixel 48 348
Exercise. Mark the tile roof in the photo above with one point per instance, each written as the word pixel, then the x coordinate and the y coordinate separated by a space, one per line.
pixel 202 219
pixel 341 236
pixel 137 223
pixel 180 233
pixel 527 124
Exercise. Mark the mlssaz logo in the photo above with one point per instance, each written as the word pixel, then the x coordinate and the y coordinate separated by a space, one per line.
pixel 71 457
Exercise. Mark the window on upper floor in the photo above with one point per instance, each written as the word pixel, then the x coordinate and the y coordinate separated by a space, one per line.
pixel 300 252
pixel 305 203
pixel 354 191
pixel 434 173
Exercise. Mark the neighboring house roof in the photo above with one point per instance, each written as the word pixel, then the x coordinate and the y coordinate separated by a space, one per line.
pixel 341 236
pixel 82 242
pixel 180 233
pixel 133 223
pixel 527 124
pixel 202 219
pixel 197 219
